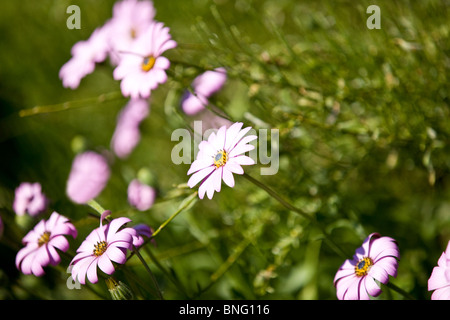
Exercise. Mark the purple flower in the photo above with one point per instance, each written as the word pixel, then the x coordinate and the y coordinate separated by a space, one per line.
pixel 85 55
pixel 142 230
pixel 142 68
pixel 103 246
pixel 439 280
pixel 141 196
pixel 220 157
pixel 42 242
pixel 29 199
pixel 204 86
pixel 377 259
pixel 89 174
pixel 127 135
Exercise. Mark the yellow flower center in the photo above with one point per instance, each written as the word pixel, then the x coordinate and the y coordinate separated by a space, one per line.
pixel 133 33
pixel 100 248
pixel 220 159
pixel 363 266
pixel 45 237
pixel 148 63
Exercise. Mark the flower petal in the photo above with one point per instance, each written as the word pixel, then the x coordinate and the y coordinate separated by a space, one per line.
pixel 199 176
pixel 105 264
pixel 227 177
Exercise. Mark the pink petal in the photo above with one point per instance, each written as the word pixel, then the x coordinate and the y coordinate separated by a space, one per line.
pixel 371 286
pixel 162 63
pixel 199 176
pixel 219 142
pixel 200 164
pixel 441 294
pixel 437 279
pixel 379 274
pixel 227 177
pixel 54 256
pixel 234 167
pixel 216 177
pixel 114 225
pixel 241 149
pixel 92 271
pixel 59 242
pixel 232 133
pixel 389 264
pixel 116 255
pixel 105 264
pixel 242 160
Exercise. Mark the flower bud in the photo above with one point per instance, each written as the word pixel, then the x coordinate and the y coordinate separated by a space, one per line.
pixel 118 289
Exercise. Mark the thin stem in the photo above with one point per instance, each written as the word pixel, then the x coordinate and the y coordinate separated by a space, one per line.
pixel 150 273
pixel 70 104
pixel 174 280
pixel 393 287
pixel 186 203
pixel 96 206
pixel 290 207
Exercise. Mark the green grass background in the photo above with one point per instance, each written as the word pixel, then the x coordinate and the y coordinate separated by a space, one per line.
pixel 363 117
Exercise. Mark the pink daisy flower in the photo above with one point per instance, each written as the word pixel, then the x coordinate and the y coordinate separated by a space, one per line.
pixel 377 259
pixel 219 157
pixel 85 55
pixel 142 68
pixel 141 196
pixel 130 19
pixel 88 176
pixel 204 86
pixel 439 280
pixel 29 199
pixel 103 246
pixel 127 135
pixel 42 242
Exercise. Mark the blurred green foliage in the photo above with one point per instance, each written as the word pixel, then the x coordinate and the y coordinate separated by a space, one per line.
pixel 364 142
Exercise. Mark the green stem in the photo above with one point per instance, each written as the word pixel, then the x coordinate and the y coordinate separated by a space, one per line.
pixel 70 104
pixel 174 280
pixel 393 287
pixel 96 206
pixel 305 215
pixel 186 203
pixel 136 251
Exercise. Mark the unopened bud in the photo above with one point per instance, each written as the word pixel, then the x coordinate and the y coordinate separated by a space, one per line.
pixel 118 290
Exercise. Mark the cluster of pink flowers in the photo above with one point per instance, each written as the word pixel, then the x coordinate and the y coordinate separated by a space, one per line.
pixel 103 246
pixel 135 44
pixel 133 41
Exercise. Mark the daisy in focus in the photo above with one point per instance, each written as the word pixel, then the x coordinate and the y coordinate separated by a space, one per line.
pixel 142 68
pixel 439 280
pixel 377 259
pixel 219 157
pixel 103 246
pixel 42 242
